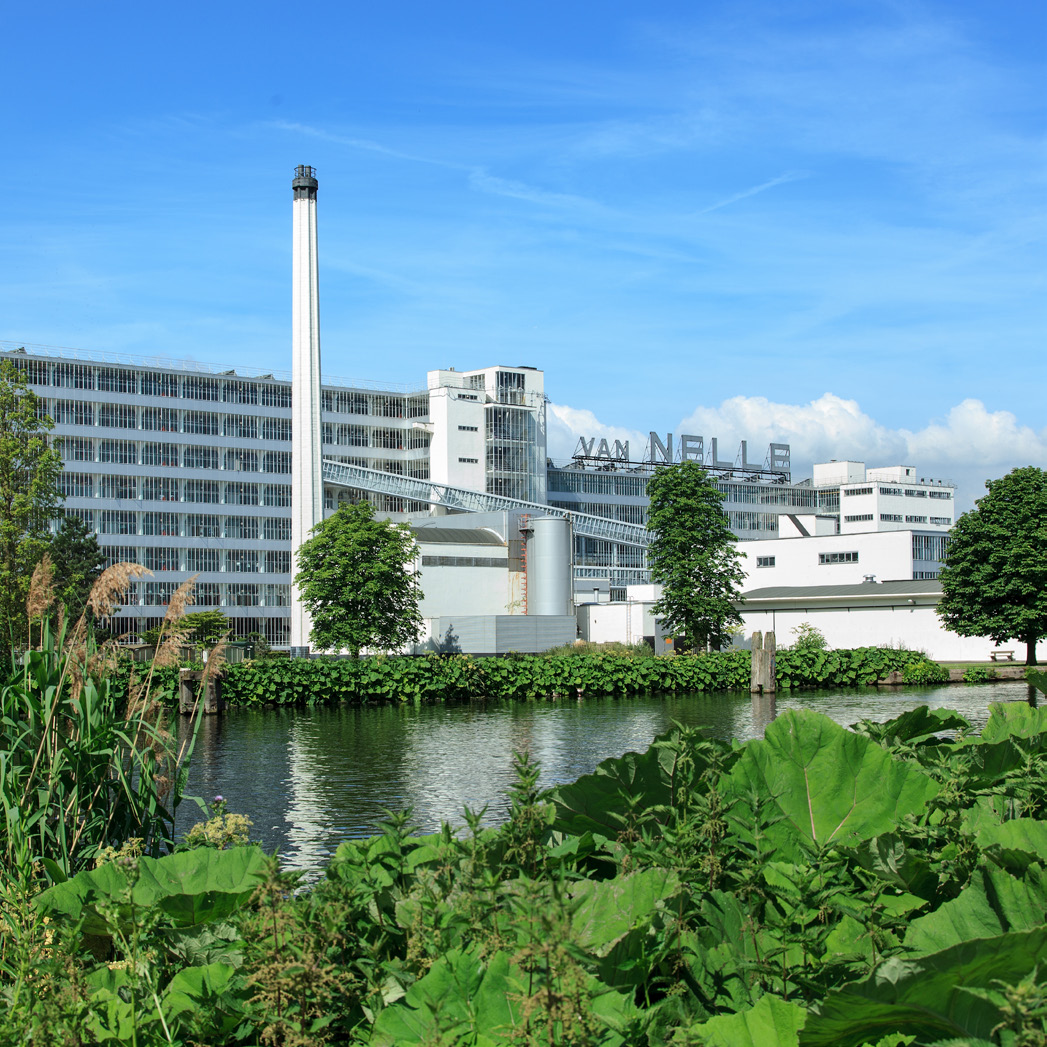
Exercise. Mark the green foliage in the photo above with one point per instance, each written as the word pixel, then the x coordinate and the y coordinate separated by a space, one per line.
pixel 808 638
pixel 355 577
pixel 203 628
pixel 994 582
pixel 693 555
pixel 29 469
pixel 978 674
pixel 925 671
pixel 815 887
pixel 78 561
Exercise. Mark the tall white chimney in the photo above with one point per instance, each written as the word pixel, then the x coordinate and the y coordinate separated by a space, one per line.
pixel 307 490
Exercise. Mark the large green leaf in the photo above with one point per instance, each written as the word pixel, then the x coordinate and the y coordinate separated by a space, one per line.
pixel 926 997
pixel 993 903
pixel 1014 720
pixel 607 910
pixel 596 802
pixel 1016 843
pixel 830 785
pixel 771 1023
pixel 913 726
pixel 191 887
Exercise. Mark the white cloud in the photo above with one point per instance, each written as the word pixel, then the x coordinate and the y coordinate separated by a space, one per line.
pixel 971 445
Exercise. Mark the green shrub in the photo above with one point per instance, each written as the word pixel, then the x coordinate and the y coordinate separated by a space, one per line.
pixel 925 672
pixel 978 674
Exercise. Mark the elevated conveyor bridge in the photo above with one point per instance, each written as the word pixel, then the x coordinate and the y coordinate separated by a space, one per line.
pixel 463 500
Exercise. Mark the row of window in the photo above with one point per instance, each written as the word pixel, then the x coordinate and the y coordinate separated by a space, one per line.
pixel 209 594
pixel 275 630
pixel 186 525
pixel 929 546
pixel 169 489
pixel 194 560
pixel 172 455
pixel 463 561
pixel 859 518
pixel 831 558
pixel 634 514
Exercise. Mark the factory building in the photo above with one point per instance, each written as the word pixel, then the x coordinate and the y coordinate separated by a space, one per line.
pixel 186 468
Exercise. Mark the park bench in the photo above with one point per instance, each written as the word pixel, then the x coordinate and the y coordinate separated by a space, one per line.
pixel 1002 656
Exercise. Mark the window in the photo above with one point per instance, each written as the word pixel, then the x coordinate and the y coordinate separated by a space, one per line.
pixel 240 426
pixel 240 561
pixel 160 523
pixel 510 387
pixel 234 392
pixel 831 558
pixel 276 395
pixel 240 461
pixel 118 521
pixel 941 521
pixel 200 525
pixel 276 462
pixel 345 402
pixel 207 594
pixel 389 439
pixel 159 489
pixel 463 561
pixel 239 493
pixel 76 485
pixel 241 527
pixel 160 454
pixel 278 562
pixel 74 376
pixel 947 495
pixel 916 519
pixel 891 490
pixel 470 461
pixel 201 423
pixel 856 491
pixel 78 449
pixel 162 558
pixel 158 594
pixel 242 594
pixel 200 458
pixel 117 380
pixel 73 412
pixel 277 595
pixel 275 429
pixel 196 388
pixel 468 428
pixel 914 492
pixel 118 416
pixel 156 383
pixel 276 529
pixel 87 515
pixel 160 419
pixel 201 561
pixel 276 494
pixel 764 561
pixel 860 518
pixel 119 452
pixel 467 396
pixel 201 491
pixel 118 486
pixel 892 518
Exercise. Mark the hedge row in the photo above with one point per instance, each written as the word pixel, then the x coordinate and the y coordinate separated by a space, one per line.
pixel 435 678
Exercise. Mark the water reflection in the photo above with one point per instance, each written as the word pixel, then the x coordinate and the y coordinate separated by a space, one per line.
pixel 309 779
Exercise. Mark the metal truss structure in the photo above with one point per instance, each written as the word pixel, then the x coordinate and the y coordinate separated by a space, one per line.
pixel 463 500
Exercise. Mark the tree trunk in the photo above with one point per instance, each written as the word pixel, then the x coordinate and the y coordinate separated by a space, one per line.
pixel 1030 650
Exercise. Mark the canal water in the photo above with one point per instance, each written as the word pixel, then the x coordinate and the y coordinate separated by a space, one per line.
pixel 311 778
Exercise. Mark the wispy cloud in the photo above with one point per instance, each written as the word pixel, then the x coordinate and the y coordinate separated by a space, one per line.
pixel 486 183
pixel 788 176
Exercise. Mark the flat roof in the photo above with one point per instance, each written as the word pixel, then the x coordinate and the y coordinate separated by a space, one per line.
pixel 907 587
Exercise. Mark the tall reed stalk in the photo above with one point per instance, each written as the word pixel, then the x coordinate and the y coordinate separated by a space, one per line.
pixel 85 764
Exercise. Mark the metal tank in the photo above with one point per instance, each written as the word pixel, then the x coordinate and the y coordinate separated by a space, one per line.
pixel 549 571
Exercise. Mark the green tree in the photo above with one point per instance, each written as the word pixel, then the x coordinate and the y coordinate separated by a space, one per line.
pixel 205 628
pixel 29 499
pixel 78 561
pixel 994 582
pixel 692 555
pixel 355 578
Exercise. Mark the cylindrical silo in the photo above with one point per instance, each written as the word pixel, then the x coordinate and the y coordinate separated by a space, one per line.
pixel 549 575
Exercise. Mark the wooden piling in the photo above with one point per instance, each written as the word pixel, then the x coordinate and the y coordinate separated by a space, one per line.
pixel 211 702
pixel 761 679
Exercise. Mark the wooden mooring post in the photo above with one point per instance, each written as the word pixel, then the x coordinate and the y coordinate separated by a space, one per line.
pixel 763 664
pixel 189 683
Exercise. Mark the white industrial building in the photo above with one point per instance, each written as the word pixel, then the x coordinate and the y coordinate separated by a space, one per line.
pixel 193 469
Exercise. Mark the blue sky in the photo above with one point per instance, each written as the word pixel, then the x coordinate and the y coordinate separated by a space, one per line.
pixel 814 222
